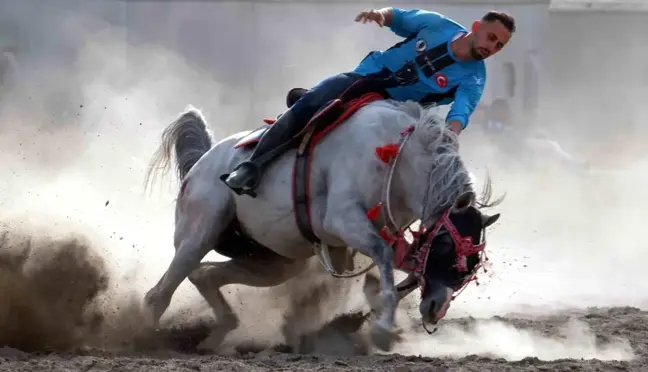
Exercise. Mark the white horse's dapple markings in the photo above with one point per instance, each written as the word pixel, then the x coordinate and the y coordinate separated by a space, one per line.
pixel 427 182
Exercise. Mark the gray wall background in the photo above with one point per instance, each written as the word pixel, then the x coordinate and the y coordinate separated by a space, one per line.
pixel 271 46
pixel 257 50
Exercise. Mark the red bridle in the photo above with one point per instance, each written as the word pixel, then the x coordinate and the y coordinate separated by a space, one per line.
pixel 415 262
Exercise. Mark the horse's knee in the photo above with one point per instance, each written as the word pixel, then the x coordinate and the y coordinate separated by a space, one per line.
pixel 195 277
pixel 206 276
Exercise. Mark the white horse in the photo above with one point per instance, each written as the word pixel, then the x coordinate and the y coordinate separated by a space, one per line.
pixel 355 200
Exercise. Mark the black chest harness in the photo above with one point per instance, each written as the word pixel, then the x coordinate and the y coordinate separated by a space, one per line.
pixel 430 61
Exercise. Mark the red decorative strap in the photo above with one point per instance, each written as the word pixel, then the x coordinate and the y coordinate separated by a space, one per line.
pixel 401 251
pixel 373 212
pixel 387 153
pixel 465 248
pixel 389 238
pixel 408 129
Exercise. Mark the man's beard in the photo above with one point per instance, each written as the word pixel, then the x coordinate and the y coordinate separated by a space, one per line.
pixel 473 53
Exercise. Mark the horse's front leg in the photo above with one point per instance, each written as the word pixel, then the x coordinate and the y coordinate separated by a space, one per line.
pixel 371 289
pixel 351 225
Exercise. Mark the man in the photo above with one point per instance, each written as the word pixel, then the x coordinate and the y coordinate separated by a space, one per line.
pixel 439 62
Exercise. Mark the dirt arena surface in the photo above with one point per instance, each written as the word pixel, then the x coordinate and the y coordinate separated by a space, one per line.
pixel 628 323
pixel 53 318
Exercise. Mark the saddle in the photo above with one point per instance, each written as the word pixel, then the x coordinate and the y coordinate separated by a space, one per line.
pixel 326 114
pixel 323 122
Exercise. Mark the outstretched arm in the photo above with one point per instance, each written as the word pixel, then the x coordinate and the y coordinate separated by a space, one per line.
pixel 404 23
pixel 468 94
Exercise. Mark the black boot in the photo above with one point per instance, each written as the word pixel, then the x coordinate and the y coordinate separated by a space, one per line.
pixel 246 175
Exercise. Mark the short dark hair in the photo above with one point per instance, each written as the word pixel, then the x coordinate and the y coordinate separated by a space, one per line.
pixel 506 19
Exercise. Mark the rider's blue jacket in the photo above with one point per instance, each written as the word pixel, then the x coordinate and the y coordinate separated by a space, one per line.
pixel 442 78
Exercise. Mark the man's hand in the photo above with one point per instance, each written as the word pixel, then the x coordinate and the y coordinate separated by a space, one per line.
pixel 378 16
pixel 455 126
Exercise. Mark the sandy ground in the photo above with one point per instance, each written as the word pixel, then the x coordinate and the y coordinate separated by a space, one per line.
pixel 629 323
pixel 54 317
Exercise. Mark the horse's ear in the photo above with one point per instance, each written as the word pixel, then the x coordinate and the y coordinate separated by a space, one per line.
pixel 464 201
pixel 489 220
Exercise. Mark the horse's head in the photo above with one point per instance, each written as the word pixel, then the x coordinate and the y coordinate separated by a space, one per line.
pixel 445 255
pixel 448 247
pixel 434 186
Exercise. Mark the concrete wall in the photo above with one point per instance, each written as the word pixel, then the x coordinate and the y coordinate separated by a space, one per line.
pixel 272 46
pixel 597 72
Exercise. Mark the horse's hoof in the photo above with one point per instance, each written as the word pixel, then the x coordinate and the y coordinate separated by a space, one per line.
pixel 151 309
pixel 384 339
pixel 148 319
pixel 146 339
pixel 214 342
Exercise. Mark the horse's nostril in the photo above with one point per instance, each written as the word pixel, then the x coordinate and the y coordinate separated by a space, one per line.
pixel 431 309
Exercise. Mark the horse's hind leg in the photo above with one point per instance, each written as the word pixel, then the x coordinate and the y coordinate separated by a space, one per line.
pixel 211 276
pixel 202 214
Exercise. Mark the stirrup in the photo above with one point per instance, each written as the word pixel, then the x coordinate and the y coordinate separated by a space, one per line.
pixel 247 190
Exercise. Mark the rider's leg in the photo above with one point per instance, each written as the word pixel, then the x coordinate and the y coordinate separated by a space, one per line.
pixel 248 173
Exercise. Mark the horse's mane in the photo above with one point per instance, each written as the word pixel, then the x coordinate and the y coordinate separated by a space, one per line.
pixel 447 175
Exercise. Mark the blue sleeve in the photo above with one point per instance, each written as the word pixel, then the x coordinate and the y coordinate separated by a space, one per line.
pixel 406 23
pixel 469 93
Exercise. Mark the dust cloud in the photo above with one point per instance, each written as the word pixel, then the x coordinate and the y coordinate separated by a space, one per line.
pixel 501 340
pixel 83 109
pixel 49 281
pixel 79 122
pixel 83 112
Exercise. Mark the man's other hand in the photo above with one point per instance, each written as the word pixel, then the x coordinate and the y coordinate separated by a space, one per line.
pixel 371 15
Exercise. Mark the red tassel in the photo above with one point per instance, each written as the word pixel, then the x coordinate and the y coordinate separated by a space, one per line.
pixel 387 152
pixel 269 121
pixel 372 214
pixel 385 235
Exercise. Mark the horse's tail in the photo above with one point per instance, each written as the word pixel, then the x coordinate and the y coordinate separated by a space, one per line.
pixel 188 137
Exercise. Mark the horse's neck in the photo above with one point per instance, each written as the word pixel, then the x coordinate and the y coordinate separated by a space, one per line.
pixel 385 122
pixel 407 187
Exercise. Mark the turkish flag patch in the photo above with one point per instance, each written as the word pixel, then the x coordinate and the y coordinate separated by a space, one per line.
pixel 441 80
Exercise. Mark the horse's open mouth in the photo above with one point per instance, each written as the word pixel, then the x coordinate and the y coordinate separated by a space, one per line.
pixel 429 326
pixel 430 320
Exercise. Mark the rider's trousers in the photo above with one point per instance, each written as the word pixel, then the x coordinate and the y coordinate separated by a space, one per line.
pixel 351 84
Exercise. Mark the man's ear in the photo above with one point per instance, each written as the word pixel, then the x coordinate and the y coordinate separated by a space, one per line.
pixel 475 26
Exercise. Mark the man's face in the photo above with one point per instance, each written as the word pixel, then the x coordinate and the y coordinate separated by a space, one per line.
pixel 488 39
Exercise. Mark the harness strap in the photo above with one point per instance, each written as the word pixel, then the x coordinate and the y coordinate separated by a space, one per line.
pixel 429 61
